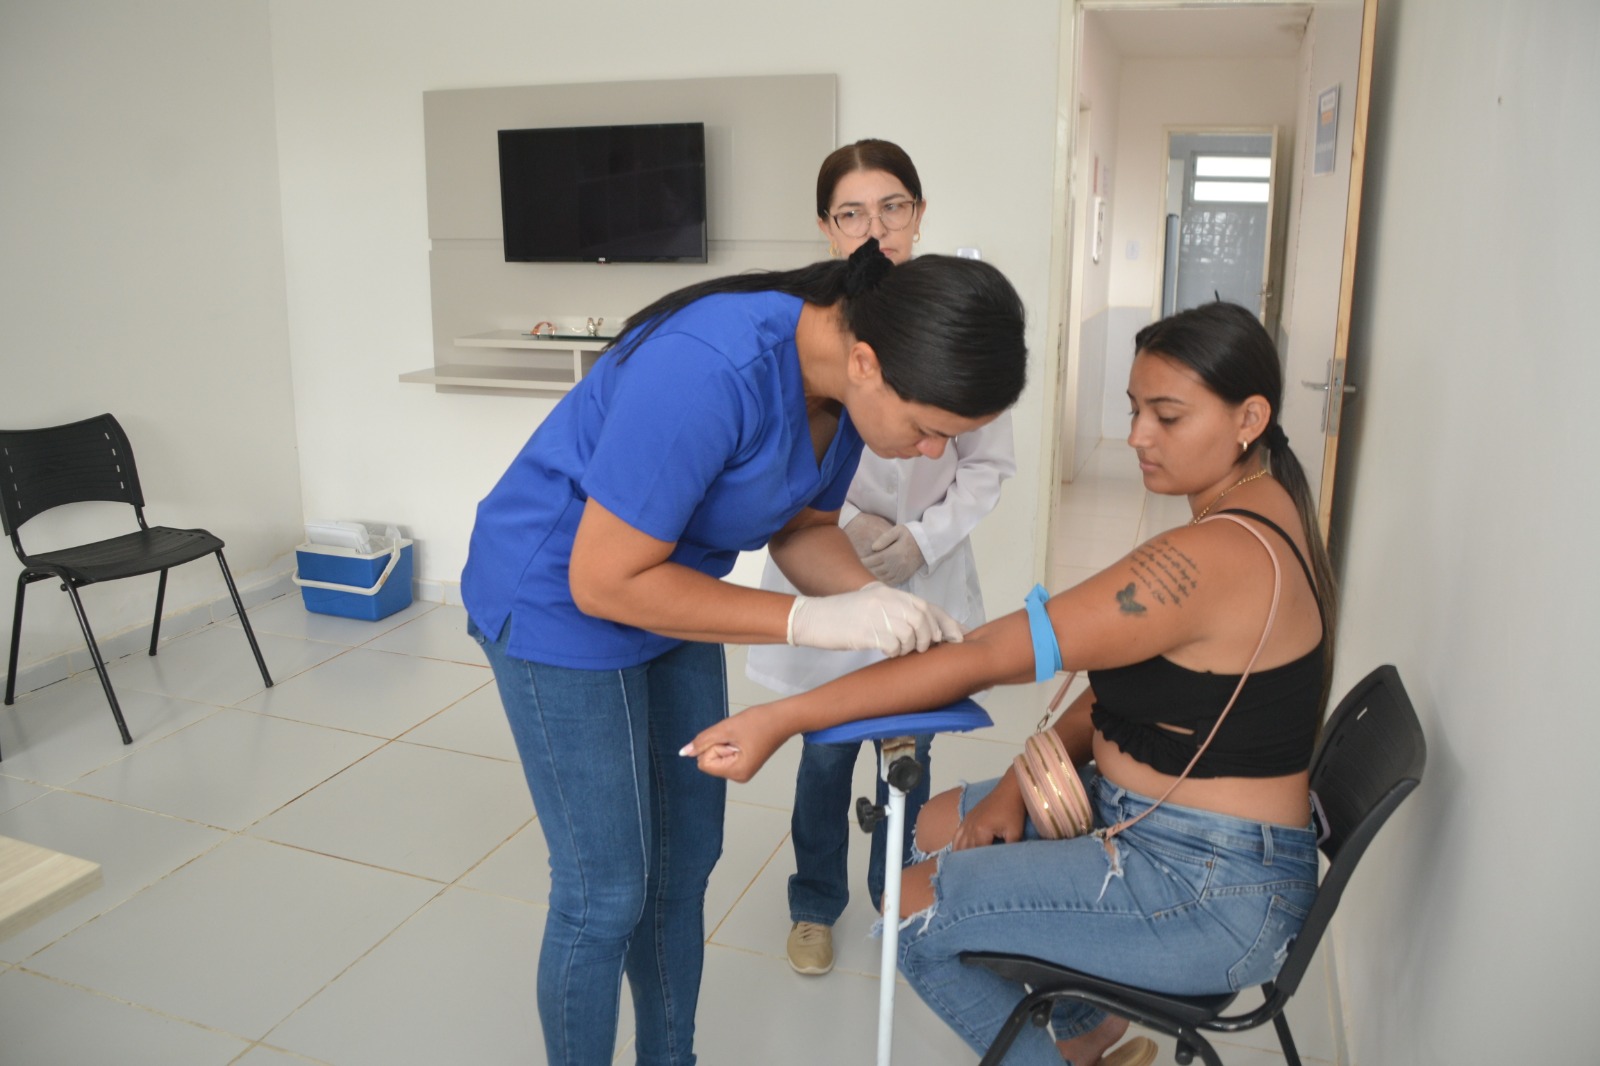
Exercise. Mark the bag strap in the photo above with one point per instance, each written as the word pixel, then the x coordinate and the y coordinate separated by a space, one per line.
pixel 1272 614
pixel 1055 702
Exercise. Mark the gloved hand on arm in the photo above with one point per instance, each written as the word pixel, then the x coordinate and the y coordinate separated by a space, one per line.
pixel 894 556
pixel 873 616
pixel 865 528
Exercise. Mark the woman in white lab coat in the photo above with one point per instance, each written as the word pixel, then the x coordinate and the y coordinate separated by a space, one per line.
pixel 909 520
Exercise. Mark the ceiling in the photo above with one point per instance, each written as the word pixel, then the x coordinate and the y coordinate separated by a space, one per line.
pixel 1266 31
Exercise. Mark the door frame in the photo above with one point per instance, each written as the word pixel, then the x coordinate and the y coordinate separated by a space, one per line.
pixel 1060 369
pixel 1337 386
pixel 1056 372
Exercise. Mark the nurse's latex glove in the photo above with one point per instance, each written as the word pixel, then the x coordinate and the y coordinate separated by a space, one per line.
pixel 894 556
pixel 865 528
pixel 873 616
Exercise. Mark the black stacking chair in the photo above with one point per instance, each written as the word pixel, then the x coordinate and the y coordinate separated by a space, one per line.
pixel 1370 759
pixel 41 469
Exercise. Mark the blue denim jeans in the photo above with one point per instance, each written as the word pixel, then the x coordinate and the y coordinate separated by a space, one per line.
pixel 821 825
pixel 1201 903
pixel 633 831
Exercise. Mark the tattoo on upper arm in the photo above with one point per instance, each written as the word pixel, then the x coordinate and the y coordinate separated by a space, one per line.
pixel 1167 574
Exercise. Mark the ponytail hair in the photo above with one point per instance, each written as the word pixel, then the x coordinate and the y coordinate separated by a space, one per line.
pixel 1229 349
pixel 947 332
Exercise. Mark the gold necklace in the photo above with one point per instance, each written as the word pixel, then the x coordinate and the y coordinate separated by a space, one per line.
pixel 1242 481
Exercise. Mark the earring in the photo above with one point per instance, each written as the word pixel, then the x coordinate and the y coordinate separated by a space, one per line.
pixel 916 238
pixel 833 251
pixel 1244 446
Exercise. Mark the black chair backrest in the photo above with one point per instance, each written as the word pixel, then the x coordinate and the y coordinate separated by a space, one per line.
pixel 77 463
pixel 1371 758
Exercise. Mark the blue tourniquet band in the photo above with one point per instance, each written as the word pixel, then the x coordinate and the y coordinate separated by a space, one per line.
pixel 1046 649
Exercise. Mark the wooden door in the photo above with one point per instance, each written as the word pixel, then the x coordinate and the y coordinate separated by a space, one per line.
pixel 1316 337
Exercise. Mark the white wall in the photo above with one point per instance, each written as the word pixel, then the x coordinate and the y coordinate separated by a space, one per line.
pixel 1100 88
pixel 1099 82
pixel 1468 490
pixel 969 93
pixel 141 273
pixel 1161 93
pixel 1156 94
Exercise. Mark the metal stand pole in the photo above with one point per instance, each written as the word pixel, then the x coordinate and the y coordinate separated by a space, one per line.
pixel 902 773
pixel 900 770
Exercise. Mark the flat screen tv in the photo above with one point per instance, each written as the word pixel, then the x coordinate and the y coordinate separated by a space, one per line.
pixel 604 194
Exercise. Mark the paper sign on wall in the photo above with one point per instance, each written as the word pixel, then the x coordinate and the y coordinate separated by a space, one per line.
pixel 1327 131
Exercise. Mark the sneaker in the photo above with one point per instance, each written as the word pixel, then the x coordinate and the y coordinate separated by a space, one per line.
pixel 811 948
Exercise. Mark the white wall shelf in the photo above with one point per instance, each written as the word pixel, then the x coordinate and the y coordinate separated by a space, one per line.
pixel 560 362
pixel 764 135
pixel 511 338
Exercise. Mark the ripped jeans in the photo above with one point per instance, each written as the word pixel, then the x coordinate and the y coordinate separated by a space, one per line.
pixel 1203 903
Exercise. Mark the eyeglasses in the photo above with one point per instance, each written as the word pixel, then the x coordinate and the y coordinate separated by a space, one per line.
pixel 856 221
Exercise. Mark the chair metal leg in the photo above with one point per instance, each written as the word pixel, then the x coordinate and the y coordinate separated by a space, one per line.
pixel 244 619
pixel 1291 1056
pixel 16 643
pixel 99 663
pixel 1193 1043
pixel 1035 1006
pixel 155 626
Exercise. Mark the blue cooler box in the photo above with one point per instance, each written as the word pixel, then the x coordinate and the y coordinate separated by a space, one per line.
pixel 351 584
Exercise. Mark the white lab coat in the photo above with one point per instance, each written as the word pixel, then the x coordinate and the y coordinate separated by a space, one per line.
pixel 940 501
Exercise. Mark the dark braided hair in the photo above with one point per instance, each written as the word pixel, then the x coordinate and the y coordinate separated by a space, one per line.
pixel 948 332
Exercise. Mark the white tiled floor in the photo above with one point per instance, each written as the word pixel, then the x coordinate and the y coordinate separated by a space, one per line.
pixel 345 868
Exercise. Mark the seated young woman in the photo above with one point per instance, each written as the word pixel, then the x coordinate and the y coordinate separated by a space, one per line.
pixel 1203 895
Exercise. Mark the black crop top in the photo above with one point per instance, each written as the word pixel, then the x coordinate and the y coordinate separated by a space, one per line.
pixel 1270 732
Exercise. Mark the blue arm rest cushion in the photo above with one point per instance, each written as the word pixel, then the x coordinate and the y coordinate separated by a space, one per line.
pixel 959 717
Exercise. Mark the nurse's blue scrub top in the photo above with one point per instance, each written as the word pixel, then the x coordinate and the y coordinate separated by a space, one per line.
pixel 699 438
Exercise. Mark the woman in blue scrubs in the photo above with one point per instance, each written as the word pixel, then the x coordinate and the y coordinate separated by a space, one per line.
pixel 727 416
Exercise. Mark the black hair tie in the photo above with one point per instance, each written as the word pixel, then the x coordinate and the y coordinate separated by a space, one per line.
pixel 1277 439
pixel 865 268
